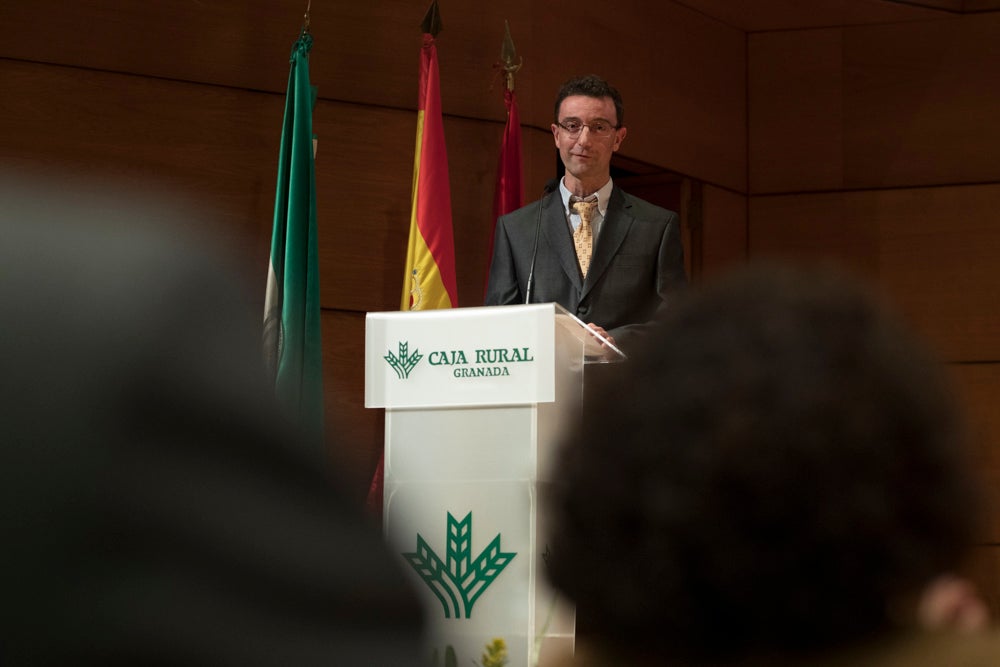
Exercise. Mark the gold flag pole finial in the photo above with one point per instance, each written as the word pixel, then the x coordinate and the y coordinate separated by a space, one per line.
pixel 507 57
pixel 432 20
pixel 305 17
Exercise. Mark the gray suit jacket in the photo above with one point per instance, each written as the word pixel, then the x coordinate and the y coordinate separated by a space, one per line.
pixel 638 263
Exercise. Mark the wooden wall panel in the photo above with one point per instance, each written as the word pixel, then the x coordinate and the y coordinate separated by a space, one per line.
pixel 795 111
pixel 354 434
pixel 689 101
pixel 724 230
pixel 689 119
pixel 540 160
pixel 821 227
pixel 939 260
pixel 933 250
pixel 217 148
pixel 916 115
pixel 473 165
pixel 364 175
pixel 212 150
pixel 977 386
pixel 949 5
pixel 367 52
pixel 797 15
pixel 890 105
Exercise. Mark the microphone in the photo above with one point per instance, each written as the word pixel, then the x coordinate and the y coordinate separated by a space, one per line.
pixel 550 185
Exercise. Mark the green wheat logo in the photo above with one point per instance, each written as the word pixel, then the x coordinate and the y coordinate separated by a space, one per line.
pixel 459 581
pixel 405 362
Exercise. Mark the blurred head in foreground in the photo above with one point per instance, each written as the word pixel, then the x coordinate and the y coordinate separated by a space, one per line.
pixel 779 471
pixel 155 508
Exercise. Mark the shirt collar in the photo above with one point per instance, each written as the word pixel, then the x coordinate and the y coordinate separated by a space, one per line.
pixel 603 197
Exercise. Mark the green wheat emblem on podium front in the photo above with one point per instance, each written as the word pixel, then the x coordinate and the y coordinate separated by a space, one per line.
pixel 459 580
pixel 404 362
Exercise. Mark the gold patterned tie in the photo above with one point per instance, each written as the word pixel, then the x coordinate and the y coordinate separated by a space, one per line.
pixel 583 237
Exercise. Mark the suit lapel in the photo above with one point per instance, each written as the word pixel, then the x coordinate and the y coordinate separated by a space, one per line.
pixel 557 234
pixel 614 229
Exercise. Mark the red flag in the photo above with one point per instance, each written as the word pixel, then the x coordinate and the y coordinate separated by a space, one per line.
pixel 509 193
pixel 429 279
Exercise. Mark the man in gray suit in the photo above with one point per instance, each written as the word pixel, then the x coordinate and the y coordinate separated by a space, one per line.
pixel 614 264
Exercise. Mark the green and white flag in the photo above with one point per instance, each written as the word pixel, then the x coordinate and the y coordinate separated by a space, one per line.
pixel 292 340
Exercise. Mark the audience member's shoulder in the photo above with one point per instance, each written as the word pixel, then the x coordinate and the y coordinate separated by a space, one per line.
pixel 927 649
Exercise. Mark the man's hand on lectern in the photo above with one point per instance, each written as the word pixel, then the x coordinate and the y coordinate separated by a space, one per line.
pixel 597 329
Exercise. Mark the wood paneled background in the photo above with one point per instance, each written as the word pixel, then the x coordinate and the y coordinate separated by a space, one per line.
pixel 862 131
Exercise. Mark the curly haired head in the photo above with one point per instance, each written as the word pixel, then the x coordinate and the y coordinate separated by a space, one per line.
pixel 779 464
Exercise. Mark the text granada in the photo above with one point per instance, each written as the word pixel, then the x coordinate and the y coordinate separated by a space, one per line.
pixel 481 372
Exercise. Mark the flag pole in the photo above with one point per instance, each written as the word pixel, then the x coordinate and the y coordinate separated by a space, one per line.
pixel 508 194
pixel 431 25
pixel 508 54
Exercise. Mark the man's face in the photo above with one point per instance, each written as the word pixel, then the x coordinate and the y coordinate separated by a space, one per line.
pixel 587 157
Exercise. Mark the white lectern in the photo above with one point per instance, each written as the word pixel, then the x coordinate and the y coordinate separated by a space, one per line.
pixel 475 399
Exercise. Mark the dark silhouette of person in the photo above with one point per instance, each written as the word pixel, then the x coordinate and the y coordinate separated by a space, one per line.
pixel 157 510
pixel 778 478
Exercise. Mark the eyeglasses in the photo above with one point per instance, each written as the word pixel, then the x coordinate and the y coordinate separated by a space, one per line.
pixel 599 128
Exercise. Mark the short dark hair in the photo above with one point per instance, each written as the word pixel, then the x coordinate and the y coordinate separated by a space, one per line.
pixel 780 462
pixel 591 85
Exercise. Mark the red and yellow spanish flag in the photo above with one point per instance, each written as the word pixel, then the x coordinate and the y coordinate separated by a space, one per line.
pixel 429 280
